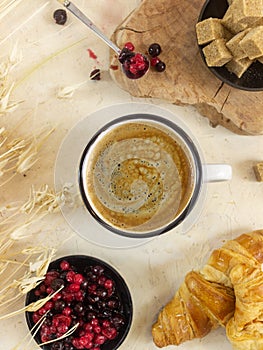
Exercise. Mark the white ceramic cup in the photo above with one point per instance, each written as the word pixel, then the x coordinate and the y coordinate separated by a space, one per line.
pixel 141 175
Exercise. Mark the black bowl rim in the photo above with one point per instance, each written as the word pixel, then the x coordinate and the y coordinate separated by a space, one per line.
pixel 115 275
pixel 217 70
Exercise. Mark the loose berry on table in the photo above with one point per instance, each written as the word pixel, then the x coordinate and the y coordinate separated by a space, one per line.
pixel 154 50
pixel 60 16
pixel 95 74
pixel 160 66
pixel 129 46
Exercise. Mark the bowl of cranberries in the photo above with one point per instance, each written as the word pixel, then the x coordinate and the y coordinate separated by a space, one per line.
pixel 88 306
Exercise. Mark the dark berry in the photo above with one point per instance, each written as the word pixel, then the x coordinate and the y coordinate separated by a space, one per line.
pixel 154 50
pixel 98 270
pixel 59 305
pixel 60 16
pixel 57 283
pixel 50 276
pixel 118 321
pixel 95 74
pixel 125 54
pixel 160 66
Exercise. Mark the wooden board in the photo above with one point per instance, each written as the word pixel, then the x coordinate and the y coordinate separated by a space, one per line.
pixel 186 81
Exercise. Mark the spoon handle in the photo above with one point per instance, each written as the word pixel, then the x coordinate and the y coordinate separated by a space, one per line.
pixel 80 15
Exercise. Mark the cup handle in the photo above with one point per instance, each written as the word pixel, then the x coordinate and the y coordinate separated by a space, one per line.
pixel 217 172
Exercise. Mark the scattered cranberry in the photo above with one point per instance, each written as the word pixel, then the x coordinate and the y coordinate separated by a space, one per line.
pixel 60 16
pixel 129 46
pixel 154 61
pixel 95 74
pixel 88 299
pixel 154 50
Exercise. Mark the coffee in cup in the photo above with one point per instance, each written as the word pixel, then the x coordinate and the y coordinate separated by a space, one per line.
pixel 139 175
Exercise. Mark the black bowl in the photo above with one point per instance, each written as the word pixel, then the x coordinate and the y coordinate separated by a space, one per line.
pixel 252 79
pixel 80 264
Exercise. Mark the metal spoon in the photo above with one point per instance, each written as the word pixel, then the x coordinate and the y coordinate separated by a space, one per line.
pixel 134 65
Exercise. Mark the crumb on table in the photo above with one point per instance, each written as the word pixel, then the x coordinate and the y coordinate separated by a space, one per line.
pixel 258 170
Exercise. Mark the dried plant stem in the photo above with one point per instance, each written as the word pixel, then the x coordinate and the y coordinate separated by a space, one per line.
pixel 19 155
pixel 46 60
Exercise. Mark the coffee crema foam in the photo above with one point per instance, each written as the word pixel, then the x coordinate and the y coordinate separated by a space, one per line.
pixel 138 177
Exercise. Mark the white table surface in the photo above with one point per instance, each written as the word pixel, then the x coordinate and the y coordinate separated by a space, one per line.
pixel 153 270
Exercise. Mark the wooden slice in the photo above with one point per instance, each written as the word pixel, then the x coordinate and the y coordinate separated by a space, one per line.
pixel 186 80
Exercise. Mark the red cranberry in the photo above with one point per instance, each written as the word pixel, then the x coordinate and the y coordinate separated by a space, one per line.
pixel 74 287
pixel 129 46
pixel 94 322
pixel 100 339
pixel 88 327
pixel 108 284
pixel 64 265
pixel 79 296
pixel 154 61
pixel 62 328
pixel 50 276
pixel 48 305
pixel 67 311
pixel 110 332
pixel 70 276
pixel 36 317
pixel 57 296
pixel 78 278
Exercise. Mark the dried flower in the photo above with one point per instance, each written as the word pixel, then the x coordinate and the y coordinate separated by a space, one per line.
pixel 19 155
pixel 68 91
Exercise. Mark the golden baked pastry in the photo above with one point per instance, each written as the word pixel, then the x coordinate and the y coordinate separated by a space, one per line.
pixel 228 291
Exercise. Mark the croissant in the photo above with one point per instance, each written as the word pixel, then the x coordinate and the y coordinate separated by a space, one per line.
pixel 227 291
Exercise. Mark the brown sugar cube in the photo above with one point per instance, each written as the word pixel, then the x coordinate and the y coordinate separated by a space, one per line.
pixel 209 29
pixel 247 11
pixel 242 14
pixel 258 170
pixel 252 43
pixel 230 24
pixel 216 53
pixel 234 47
pixel 238 67
pixel 251 8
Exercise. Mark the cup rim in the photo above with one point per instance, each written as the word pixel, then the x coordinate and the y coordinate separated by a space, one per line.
pixel 197 167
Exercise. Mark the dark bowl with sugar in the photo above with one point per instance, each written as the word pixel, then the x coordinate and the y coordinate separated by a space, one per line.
pixel 251 78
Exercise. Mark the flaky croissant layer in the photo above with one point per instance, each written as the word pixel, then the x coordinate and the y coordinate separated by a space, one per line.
pixel 227 292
